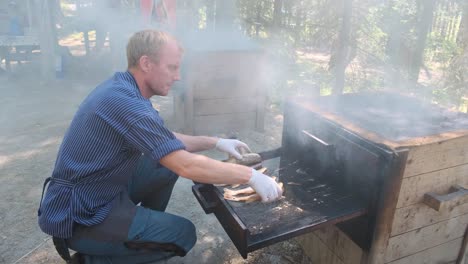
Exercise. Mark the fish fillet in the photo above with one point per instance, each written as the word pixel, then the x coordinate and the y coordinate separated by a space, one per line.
pixel 239 195
pixel 247 159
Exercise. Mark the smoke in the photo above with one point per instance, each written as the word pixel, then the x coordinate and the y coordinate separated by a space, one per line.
pixel 281 69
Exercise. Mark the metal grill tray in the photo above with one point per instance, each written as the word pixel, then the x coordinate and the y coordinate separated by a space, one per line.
pixel 309 203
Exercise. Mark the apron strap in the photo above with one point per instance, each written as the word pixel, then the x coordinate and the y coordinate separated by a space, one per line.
pixel 57 181
pixel 42 195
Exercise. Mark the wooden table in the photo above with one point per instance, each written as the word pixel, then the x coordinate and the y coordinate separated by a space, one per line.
pixel 27 43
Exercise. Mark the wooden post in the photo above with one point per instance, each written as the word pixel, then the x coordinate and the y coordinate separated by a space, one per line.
pixel 188 97
pixel 386 207
pixel 30 16
pixel 46 39
pixel 260 95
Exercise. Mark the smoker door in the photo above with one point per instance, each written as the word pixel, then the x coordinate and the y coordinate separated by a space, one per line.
pixel 330 176
pixel 252 226
pixel 310 202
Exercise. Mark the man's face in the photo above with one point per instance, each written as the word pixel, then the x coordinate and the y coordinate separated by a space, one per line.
pixel 166 71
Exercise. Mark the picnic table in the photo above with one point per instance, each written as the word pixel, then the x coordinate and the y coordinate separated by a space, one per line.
pixel 17 48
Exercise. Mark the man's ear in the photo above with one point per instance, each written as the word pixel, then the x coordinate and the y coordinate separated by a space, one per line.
pixel 144 63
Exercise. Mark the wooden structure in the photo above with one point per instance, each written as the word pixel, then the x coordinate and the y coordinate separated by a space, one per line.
pixel 18 36
pixel 35 31
pixel 221 89
pixel 424 213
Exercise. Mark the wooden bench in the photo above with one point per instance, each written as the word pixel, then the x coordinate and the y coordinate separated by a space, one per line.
pixel 17 48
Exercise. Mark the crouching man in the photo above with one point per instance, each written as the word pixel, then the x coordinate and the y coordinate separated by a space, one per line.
pixel 118 163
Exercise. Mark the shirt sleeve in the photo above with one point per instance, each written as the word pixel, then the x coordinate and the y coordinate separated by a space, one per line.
pixel 150 136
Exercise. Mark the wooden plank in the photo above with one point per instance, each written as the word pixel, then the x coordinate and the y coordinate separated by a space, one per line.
pixel 13 41
pixel 316 250
pixel 413 188
pixel 420 215
pixel 456 195
pixel 424 238
pixel 209 124
pixel 437 156
pixel 224 87
pixel 385 212
pixel 340 244
pixel 217 62
pixel 226 75
pixel 261 107
pixel 230 75
pixel 223 62
pixel 463 252
pixel 224 106
pixel 188 106
pixel 444 253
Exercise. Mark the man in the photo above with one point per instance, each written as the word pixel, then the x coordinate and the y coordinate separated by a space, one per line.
pixel 117 153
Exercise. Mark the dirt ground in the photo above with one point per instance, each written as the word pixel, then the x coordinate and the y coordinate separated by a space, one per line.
pixel 34 117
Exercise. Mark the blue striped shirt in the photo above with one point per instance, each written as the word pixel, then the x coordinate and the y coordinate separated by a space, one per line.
pixel 99 153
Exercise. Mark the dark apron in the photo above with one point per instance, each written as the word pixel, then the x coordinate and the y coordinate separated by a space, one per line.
pixel 114 228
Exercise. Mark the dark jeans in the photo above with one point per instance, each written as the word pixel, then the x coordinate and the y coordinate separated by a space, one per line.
pixel 152 187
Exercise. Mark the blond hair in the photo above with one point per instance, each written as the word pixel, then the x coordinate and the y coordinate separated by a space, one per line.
pixel 146 42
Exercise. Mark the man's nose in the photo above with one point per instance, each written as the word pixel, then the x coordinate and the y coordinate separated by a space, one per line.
pixel 177 76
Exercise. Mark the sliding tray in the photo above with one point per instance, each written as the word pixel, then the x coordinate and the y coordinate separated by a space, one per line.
pixel 309 203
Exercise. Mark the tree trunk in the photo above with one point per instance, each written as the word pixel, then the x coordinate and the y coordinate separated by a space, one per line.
pixel 444 23
pixel 437 18
pixel 258 18
pixel 288 7
pixel 393 46
pixel 298 24
pixel 462 36
pixel 225 10
pixel 47 39
pixel 210 14
pixel 277 17
pixel 425 22
pixel 343 47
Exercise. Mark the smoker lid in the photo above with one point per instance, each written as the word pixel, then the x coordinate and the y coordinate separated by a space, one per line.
pixel 391 116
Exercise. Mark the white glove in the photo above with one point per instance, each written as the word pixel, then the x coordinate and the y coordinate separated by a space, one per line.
pixel 265 186
pixel 231 146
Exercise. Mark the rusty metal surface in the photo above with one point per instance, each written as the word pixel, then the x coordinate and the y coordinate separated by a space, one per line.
pixel 393 116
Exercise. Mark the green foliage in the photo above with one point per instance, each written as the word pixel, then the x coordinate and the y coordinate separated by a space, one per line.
pixel 301 38
pixel 382 49
pixel 440 49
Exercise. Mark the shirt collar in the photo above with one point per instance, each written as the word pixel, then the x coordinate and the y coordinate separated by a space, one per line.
pixel 128 77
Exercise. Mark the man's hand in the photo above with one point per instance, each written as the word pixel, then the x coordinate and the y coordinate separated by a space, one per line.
pixel 231 146
pixel 265 186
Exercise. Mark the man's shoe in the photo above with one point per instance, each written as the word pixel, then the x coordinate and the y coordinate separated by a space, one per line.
pixel 77 258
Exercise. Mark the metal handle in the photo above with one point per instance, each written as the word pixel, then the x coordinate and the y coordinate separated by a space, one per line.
pixel 317 143
pixel 457 195
pixel 199 190
pixel 270 154
pixel 316 139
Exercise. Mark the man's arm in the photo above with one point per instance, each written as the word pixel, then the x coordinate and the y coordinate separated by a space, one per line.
pixel 200 143
pixel 203 169
pixel 197 143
